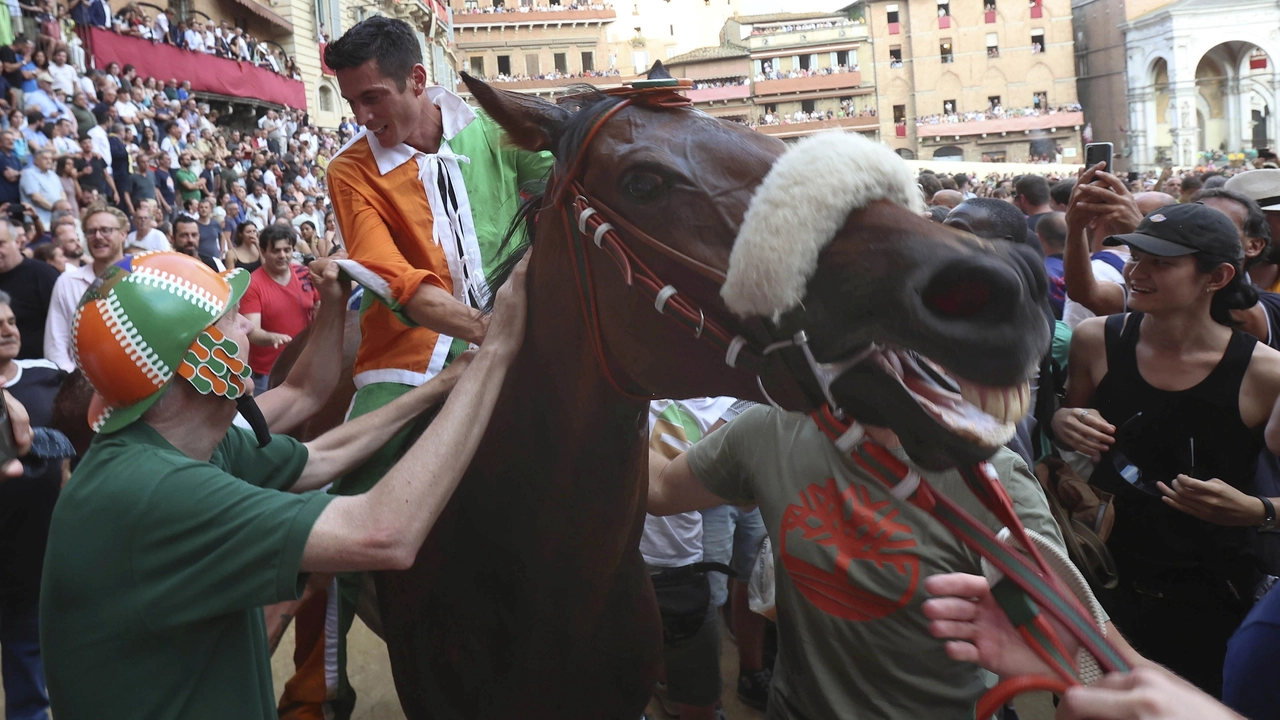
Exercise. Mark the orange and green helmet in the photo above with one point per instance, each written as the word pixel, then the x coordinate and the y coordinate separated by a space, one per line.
pixel 147 318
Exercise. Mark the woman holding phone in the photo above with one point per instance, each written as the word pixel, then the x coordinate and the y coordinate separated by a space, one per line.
pixel 1171 400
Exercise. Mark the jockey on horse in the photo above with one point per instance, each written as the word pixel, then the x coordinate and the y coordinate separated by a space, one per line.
pixel 423 197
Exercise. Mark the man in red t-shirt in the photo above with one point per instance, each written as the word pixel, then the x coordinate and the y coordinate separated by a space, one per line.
pixel 280 301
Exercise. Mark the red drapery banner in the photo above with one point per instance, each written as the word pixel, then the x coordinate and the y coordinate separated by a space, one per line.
pixel 207 73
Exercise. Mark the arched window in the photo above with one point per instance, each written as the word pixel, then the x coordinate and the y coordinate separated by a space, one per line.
pixel 905 154
pixel 949 153
pixel 326 99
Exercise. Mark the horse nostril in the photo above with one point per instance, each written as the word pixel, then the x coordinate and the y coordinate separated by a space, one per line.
pixel 959 300
pixel 972 290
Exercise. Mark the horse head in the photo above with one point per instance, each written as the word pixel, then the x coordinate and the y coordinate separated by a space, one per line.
pixel 836 291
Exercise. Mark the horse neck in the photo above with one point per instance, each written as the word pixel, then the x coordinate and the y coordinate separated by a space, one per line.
pixel 556 387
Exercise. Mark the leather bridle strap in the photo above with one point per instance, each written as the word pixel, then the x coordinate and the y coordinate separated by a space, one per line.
pixel 586 219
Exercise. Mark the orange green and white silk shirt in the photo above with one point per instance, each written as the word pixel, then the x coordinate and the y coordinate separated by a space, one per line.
pixel 412 217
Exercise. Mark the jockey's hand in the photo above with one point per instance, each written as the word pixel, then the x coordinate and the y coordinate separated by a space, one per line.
pixel 505 330
pixel 21 424
pixel 324 276
pixel 1147 693
pixel 964 613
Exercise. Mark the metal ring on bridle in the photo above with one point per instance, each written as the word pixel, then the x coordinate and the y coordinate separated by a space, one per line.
pixel 702 321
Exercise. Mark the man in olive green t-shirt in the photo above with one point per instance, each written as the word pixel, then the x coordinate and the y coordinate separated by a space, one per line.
pixel 850 561
pixel 177 527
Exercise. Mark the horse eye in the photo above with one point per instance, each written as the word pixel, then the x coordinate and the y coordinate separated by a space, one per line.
pixel 644 186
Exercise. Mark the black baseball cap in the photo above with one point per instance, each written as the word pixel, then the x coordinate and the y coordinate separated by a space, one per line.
pixel 1183 229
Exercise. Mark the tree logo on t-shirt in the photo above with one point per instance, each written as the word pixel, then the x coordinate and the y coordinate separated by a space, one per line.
pixel 869 542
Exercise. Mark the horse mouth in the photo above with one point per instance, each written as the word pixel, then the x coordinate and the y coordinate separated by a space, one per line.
pixel 977 418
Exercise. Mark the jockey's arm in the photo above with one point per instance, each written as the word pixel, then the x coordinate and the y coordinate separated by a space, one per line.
pixel 385 527
pixel 319 366
pixel 673 488
pixel 436 309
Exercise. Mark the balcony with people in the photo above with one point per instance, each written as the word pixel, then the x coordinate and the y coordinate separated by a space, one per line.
pixel 799 123
pixel 474 16
pixel 806 80
pixel 997 119
pixel 239 62
pixel 708 91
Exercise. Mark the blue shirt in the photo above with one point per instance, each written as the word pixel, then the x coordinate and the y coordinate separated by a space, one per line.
pixel 1251 674
pixel 1057 284
pixel 29 84
pixel 9 190
pixel 41 101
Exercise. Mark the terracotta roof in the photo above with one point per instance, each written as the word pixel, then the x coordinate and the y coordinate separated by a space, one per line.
pixel 714 52
pixel 782 17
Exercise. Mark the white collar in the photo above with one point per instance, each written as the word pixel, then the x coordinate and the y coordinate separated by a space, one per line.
pixel 455 115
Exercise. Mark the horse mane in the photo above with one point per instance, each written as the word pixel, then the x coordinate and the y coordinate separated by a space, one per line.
pixel 585 104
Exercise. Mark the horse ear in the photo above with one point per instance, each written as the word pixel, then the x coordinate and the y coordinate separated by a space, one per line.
pixel 533 123
pixel 658 71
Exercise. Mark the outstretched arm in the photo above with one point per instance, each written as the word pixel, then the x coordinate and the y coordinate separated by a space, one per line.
pixel 1087 203
pixel 673 488
pixel 385 527
pixel 319 366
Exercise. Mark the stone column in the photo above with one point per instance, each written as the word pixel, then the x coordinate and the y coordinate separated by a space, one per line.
pixel 1142 129
pixel 1232 110
pixel 1184 127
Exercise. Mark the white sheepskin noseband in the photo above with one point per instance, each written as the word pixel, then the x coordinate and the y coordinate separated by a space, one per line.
pixel 803 202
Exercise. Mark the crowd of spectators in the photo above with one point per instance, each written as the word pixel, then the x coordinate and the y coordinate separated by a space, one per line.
pixel 846 110
pixel 995 112
pixel 475 10
pixel 768 73
pixel 554 75
pixel 800 27
pixel 149 148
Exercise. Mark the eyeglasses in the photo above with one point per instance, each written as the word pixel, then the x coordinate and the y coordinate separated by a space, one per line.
pixel 90 232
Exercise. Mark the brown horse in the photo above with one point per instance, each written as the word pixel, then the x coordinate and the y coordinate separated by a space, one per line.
pixel 530 598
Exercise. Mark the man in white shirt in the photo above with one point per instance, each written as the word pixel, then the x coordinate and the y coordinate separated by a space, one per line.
pixel 41 187
pixel 145 237
pixel 126 108
pixel 161 26
pixel 172 145
pixel 258 207
pixel 309 214
pixel 308 182
pixel 194 39
pixel 64 74
pixel 104 235
pixel 63 143
pixel 210 39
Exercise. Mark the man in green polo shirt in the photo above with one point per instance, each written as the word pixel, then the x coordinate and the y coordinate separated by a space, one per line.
pixel 178 527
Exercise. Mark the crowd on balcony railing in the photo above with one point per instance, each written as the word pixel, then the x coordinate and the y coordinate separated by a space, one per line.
pixel 801 27
pixel 768 73
pixel 475 10
pixel 503 77
pixel 799 116
pixel 203 36
pixel 732 82
pixel 994 113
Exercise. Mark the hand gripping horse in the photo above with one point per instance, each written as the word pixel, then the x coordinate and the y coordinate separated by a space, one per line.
pixel 530 598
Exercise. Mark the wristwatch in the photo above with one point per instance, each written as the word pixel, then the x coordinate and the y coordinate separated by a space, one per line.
pixel 1269 513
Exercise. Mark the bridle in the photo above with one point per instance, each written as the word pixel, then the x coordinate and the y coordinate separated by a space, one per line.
pixel 586 217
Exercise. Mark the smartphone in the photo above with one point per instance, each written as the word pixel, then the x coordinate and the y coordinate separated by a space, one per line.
pixel 1095 153
pixel 8 448
pixel 16 213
